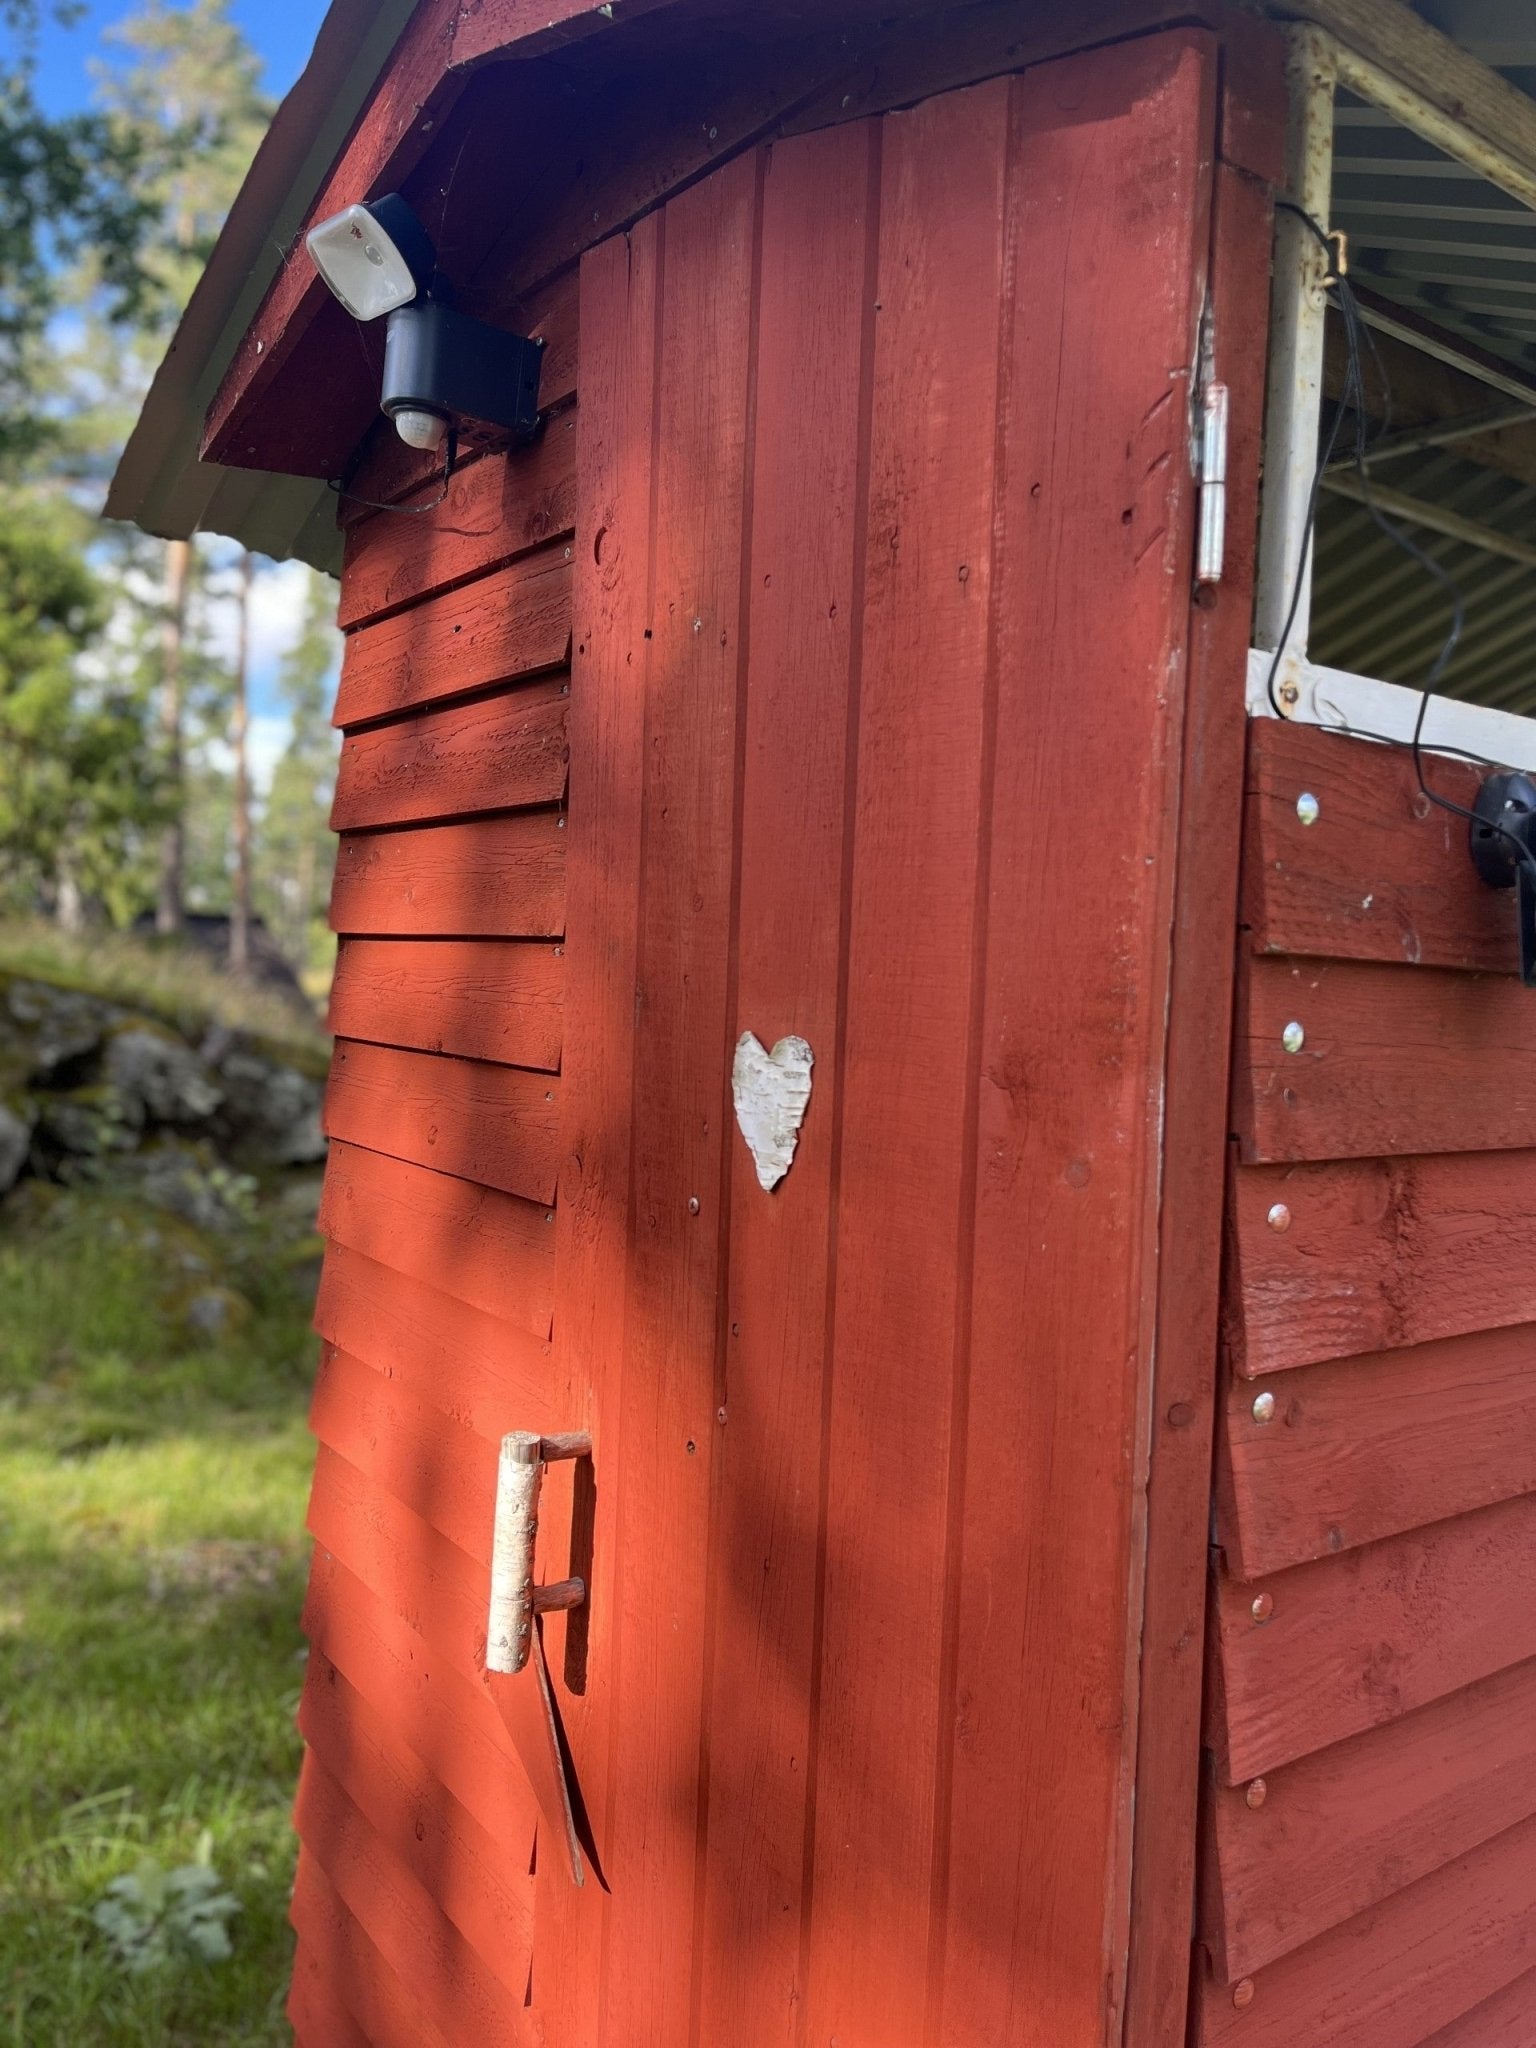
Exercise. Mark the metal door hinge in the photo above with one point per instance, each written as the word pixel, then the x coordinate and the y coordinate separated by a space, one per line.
pixel 1212 408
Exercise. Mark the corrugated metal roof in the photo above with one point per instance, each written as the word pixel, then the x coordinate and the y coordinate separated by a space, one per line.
pixel 1430 235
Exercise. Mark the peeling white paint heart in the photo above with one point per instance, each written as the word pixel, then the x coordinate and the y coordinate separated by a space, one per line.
pixel 771 1090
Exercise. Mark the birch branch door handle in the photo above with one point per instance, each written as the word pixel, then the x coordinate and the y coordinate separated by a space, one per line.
pixel 515 1599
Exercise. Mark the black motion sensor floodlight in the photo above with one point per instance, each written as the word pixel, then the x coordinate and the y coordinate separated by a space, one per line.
pixel 440 366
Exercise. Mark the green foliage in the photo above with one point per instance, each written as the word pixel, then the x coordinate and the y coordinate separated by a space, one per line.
pixel 77 788
pixel 153 1917
pixel 69 189
pixel 152 1486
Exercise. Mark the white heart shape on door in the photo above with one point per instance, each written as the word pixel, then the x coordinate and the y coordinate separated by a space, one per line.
pixel 771 1090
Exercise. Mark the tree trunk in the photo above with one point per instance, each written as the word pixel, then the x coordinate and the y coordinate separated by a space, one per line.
pixel 240 913
pixel 169 908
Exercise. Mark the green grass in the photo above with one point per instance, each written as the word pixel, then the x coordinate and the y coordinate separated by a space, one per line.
pixel 171 981
pixel 152 1487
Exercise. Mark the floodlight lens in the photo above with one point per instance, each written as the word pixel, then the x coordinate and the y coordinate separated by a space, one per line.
pixel 361 264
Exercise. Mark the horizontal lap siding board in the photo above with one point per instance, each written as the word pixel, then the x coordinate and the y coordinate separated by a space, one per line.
pixel 503 752
pixel 481 999
pixel 1355 1640
pixel 1362 1448
pixel 350 1963
pixel 421 1825
pixel 424 1788
pixel 1377 1254
pixel 479 1370
pixel 500 507
pixel 1389 1977
pixel 492 1250
pixel 1343 1829
pixel 400 1916
pixel 1381 874
pixel 1394 1062
pixel 496 629
pixel 486 1123
pixel 427 1703
pixel 494 878
pixel 1373 1650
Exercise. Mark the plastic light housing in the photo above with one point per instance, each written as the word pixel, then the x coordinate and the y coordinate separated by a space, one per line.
pixel 374 257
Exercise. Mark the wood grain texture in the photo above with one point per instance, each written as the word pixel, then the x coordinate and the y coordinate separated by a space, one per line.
pixel 494 629
pixel 1378 1255
pixel 1373 1446
pixel 474 1879
pixel 1395 1062
pixel 500 507
pixel 448 1979
pixel 353 1967
pixel 819 219
pixel 1423 1958
pixel 483 1372
pixel 1507 2020
pixel 499 753
pixel 482 1000
pixel 434 1586
pixel 1074 987
pixel 495 1125
pixel 905 1087
pixel 495 878
pixel 429 1462
pixel 426 1702
pixel 702 425
pixel 1343 1830
pixel 1359 1639
pixel 1382 875
pixel 1199 1048
pixel 620 283
pixel 490 1249
pixel 315 2011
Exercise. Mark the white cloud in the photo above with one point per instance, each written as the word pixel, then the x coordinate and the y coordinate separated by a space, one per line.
pixel 278 597
pixel 265 738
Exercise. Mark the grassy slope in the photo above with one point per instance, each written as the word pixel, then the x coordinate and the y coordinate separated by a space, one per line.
pixel 152 1488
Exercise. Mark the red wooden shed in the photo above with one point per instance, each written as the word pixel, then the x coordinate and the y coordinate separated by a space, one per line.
pixel 909 1037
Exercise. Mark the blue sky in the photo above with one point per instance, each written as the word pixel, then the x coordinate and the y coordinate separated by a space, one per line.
pixel 282 30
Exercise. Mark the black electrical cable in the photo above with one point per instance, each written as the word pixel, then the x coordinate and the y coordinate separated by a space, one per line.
pixel 1352 400
pixel 411 511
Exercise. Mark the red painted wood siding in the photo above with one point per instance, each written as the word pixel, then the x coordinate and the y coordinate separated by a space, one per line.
pixel 1369 1838
pixel 869 541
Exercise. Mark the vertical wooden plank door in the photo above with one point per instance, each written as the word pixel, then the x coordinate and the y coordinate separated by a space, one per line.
pixel 877 707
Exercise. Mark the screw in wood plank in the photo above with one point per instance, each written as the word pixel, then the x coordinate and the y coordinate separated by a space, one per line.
pixel 1279 1217
pixel 693 1205
pixel 1257 1793
pixel 1264 1408
pixel 1242 1993
pixel 1262 1608
pixel 1308 808
pixel 1293 1037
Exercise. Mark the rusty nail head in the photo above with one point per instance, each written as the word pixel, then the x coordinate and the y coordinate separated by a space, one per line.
pixel 1263 1607
pixel 1308 807
pixel 1257 1793
pixel 1279 1217
pixel 1289 693
pixel 1242 1993
pixel 1264 1408
pixel 1293 1037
